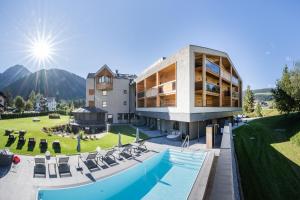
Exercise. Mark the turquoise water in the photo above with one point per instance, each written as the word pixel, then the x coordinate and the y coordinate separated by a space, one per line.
pixel 168 175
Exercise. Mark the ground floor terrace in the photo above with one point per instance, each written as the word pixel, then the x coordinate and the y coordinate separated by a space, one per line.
pixel 21 177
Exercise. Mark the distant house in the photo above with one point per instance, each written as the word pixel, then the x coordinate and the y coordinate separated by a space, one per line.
pixel 51 104
pixel 45 104
pixel 2 101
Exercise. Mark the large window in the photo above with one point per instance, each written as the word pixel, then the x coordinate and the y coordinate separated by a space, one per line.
pixel 105 79
pixel 104 92
pixel 104 104
pixel 124 103
pixel 120 116
pixel 125 91
pixel 212 67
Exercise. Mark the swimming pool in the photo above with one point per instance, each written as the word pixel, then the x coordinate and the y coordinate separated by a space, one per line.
pixel 168 175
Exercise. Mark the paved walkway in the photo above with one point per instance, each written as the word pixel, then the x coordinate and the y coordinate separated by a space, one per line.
pixel 20 177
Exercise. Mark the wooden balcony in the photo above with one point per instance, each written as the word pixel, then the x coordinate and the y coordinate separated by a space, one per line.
pixel 235 95
pixel 225 75
pixel 167 88
pixel 152 92
pixel 104 86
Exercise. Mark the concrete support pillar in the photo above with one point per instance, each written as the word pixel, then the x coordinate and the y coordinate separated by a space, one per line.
pixel 209 137
pixel 204 80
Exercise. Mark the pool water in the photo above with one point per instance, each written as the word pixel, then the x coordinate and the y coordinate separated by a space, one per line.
pixel 168 175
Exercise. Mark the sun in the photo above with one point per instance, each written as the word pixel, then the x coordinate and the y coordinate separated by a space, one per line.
pixel 41 50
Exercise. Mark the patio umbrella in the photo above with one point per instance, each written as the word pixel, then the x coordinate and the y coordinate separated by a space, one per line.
pixel 137 135
pixel 119 143
pixel 78 143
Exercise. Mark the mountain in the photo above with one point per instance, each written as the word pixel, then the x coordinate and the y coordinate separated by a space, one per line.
pixel 51 83
pixel 263 94
pixel 13 74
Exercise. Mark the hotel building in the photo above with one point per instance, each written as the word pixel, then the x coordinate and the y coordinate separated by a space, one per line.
pixel 188 90
pixel 194 87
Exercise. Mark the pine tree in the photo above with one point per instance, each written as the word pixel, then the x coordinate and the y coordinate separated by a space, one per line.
pixel 248 101
pixel 282 93
pixel 258 110
pixel 19 103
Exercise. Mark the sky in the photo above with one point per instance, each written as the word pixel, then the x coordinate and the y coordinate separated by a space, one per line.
pixel 259 36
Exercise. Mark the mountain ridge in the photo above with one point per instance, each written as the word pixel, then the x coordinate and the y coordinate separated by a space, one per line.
pixel 52 82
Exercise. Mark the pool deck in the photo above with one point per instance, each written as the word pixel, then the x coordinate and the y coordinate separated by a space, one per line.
pixel 19 183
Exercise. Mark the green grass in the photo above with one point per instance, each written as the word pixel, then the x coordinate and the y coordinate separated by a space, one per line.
pixel 265 112
pixel 68 145
pixel 269 165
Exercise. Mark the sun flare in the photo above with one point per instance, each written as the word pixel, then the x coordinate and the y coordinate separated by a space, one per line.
pixel 41 50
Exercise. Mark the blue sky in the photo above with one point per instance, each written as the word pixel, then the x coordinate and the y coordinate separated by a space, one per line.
pixel 260 36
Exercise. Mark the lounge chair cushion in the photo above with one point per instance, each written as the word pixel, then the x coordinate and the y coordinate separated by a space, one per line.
pixel 64 168
pixel 40 169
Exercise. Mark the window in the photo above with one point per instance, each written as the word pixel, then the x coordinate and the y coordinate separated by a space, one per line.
pixel 91 91
pixel 105 79
pixel 125 91
pixel 120 116
pixel 124 103
pixel 104 92
pixel 126 116
pixel 91 103
pixel 104 104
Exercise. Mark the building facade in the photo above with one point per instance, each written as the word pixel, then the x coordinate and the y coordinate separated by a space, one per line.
pixel 190 89
pixel 2 102
pixel 111 92
pixel 51 103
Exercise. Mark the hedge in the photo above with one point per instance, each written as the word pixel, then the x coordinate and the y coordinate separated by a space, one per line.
pixel 22 115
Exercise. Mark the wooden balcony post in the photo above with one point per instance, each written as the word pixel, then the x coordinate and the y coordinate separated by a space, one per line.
pixel 220 83
pixel 157 96
pixel 230 85
pixel 136 96
pixel 204 80
pixel 145 98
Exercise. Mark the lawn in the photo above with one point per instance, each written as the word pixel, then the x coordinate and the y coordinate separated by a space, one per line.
pixel 268 152
pixel 68 145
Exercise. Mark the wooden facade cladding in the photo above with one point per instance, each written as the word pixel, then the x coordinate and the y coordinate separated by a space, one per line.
pixel 158 89
pixel 91 92
pixel 216 82
pixel 91 103
pixel 104 80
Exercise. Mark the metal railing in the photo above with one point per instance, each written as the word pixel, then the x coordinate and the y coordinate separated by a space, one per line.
pixel 185 143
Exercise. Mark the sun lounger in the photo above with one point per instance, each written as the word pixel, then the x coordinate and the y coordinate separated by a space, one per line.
pixel 39 167
pixel 63 166
pixel 126 152
pixel 90 160
pixel 109 157
pixel 43 144
pixel 140 146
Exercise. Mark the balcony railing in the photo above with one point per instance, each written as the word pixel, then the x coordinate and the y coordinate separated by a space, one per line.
pixel 141 94
pixel 212 67
pixel 226 93
pixel 151 92
pixel 104 86
pixel 167 87
pixel 198 85
pixel 225 75
pixel 212 88
pixel 235 94
pixel 235 80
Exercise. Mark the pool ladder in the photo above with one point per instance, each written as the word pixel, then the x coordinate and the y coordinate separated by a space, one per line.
pixel 185 143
